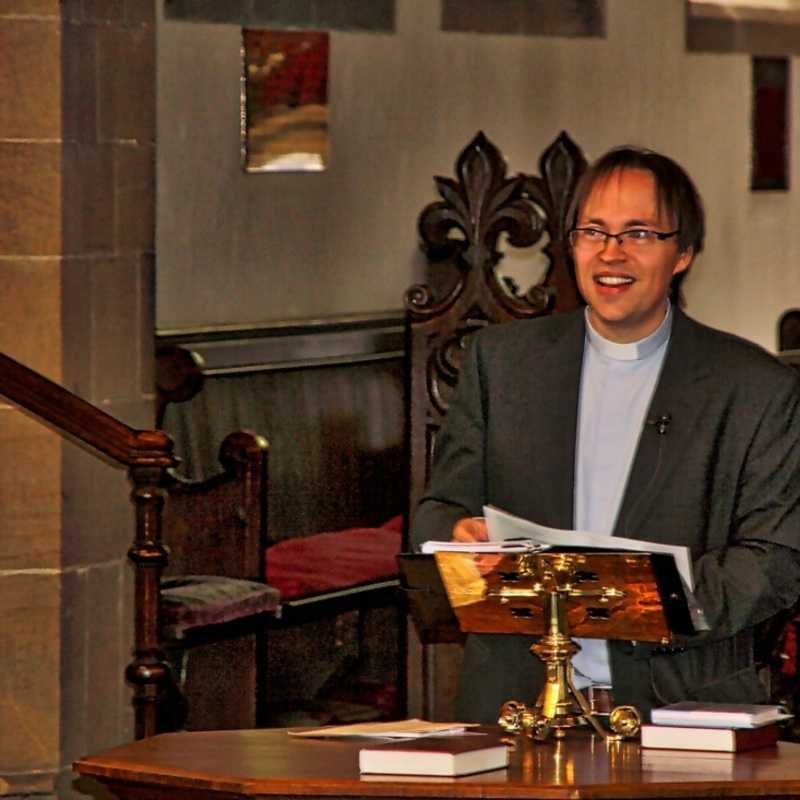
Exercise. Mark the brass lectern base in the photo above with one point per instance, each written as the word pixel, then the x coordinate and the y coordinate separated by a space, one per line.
pixel 516 717
pixel 561 705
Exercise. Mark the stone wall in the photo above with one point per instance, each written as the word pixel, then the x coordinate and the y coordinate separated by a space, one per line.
pixel 77 156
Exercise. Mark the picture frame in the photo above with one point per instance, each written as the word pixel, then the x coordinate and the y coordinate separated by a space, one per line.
pixel 284 100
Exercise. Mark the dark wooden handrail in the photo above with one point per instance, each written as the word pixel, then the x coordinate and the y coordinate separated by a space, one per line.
pixel 148 455
pixel 73 415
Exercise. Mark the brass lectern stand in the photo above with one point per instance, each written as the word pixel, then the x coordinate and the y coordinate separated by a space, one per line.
pixel 556 595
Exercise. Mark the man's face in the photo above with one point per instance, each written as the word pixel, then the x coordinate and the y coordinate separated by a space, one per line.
pixel 627 289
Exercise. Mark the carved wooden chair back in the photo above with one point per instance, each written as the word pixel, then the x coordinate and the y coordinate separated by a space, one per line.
pixel 460 235
pixel 789 330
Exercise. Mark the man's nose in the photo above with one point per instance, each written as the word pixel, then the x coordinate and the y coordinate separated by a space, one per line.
pixel 612 249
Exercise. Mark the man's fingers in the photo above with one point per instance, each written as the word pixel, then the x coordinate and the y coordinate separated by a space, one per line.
pixel 471 529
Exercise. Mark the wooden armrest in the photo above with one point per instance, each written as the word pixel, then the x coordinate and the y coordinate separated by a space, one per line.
pixel 218 526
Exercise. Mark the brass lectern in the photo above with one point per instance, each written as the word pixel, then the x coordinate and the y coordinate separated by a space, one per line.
pixel 554 595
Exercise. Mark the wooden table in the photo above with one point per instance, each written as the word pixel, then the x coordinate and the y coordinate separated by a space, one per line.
pixel 268 763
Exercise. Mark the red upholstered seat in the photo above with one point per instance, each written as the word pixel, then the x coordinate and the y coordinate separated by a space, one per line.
pixel 789 649
pixel 327 562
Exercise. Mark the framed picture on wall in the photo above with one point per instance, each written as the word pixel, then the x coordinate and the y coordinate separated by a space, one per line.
pixel 284 97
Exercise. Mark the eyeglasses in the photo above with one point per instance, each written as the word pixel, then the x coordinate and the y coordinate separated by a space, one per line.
pixel 633 239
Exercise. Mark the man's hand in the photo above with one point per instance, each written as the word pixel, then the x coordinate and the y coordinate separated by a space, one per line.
pixel 471 529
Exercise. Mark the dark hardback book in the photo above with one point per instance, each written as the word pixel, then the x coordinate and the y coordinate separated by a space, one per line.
pixel 729 740
pixel 456 754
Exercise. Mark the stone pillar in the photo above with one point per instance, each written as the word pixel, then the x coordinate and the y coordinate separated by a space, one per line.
pixel 77 189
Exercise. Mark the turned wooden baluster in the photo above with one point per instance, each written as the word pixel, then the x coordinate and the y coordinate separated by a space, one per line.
pixel 148 672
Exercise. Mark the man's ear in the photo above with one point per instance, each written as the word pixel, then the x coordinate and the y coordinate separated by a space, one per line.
pixel 684 261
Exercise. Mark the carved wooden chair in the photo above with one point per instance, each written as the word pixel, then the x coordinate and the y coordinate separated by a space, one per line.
pixel 789 330
pixel 460 236
pixel 214 599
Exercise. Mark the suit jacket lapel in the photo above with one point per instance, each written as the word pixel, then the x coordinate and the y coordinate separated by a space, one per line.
pixel 560 370
pixel 660 450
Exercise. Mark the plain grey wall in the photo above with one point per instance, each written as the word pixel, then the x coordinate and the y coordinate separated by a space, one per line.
pixel 249 248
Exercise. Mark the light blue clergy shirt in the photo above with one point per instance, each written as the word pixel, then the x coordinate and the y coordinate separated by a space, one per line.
pixel 617 384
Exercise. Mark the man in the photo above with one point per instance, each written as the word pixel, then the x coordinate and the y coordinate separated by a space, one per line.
pixel 630 418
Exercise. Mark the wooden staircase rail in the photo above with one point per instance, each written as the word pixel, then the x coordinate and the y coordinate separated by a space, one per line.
pixel 75 416
pixel 148 455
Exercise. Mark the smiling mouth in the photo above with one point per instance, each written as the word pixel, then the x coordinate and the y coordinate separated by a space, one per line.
pixel 613 280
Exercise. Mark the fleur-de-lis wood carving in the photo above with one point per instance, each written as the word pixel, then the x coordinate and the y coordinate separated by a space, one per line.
pixel 561 166
pixel 465 225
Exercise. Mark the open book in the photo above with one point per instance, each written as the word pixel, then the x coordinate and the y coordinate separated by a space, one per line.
pixel 504 526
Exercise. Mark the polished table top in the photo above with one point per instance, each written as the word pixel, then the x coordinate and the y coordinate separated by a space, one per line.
pixel 270 763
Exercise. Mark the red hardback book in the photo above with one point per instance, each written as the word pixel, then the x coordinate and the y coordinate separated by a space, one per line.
pixel 456 754
pixel 730 740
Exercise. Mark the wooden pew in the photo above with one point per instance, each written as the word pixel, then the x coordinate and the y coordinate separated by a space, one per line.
pixel 329 395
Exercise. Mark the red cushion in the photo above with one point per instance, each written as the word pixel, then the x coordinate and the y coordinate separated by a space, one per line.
pixel 789 667
pixel 325 562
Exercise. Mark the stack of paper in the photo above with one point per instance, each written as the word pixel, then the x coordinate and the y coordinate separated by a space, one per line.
pixel 508 546
pixel 504 526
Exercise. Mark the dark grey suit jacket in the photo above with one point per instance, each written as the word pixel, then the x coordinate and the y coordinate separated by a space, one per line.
pixel 724 480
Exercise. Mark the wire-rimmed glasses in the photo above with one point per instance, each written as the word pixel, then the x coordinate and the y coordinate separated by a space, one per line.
pixel 590 238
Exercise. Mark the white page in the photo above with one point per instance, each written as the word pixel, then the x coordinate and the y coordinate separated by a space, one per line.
pixel 515 546
pixel 503 526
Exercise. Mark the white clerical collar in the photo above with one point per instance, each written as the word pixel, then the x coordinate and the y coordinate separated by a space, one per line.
pixel 630 351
